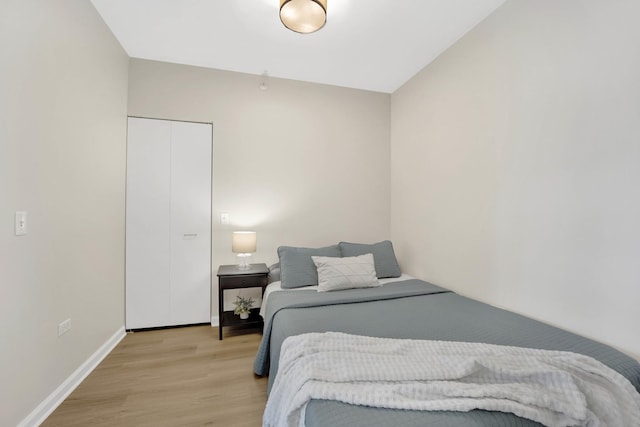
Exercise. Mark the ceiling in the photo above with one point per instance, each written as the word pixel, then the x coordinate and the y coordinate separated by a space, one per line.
pixel 366 44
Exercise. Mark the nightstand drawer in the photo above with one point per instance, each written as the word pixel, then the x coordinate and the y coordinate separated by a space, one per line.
pixel 243 281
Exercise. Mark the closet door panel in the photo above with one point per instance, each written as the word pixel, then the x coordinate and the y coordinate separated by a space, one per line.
pixel 190 223
pixel 148 210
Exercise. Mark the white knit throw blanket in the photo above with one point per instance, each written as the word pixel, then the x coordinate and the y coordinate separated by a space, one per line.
pixel 553 388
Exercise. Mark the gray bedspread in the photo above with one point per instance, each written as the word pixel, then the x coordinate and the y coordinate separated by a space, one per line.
pixel 436 315
pixel 312 298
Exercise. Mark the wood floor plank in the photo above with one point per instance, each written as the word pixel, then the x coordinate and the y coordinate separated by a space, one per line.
pixel 171 377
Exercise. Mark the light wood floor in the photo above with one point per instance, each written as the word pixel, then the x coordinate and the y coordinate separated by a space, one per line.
pixel 171 377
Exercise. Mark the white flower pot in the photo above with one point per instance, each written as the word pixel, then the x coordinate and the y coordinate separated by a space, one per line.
pixel 244 316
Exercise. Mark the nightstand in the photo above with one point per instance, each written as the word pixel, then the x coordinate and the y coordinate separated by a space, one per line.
pixel 231 277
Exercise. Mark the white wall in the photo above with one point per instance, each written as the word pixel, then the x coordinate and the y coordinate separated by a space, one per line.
pixel 516 166
pixel 63 89
pixel 300 163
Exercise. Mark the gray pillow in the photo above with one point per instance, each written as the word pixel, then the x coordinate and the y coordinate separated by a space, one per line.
pixel 274 273
pixel 383 256
pixel 297 268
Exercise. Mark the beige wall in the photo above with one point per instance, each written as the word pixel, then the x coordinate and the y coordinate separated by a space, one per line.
pixel 516 166
pixel 63 89
pixel 300 163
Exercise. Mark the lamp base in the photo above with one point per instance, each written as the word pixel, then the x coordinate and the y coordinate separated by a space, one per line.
pixel 243 261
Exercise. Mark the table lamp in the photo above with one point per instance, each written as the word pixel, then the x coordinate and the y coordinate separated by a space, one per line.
pixel 244 244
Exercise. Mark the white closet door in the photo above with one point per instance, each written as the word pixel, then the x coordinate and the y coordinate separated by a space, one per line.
pixel 148 259
pixel 190 223
pixel 168 249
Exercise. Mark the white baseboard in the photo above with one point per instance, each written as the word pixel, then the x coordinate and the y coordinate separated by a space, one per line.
pixel 48 405
pixel 215 321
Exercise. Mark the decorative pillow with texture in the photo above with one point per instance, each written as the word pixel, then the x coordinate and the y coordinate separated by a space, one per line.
pixel 383 255
pixel 297 268
pixel 335 274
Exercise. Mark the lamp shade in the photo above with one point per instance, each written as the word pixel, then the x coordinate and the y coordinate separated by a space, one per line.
pixel 303 16
pixel 243 242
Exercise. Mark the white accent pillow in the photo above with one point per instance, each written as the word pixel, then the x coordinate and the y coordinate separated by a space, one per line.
pixel 335 274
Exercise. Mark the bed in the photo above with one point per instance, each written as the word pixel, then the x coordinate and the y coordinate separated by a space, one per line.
pixel 409 308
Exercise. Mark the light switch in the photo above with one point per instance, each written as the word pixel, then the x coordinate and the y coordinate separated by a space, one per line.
pixel 21 223
pixel 224 218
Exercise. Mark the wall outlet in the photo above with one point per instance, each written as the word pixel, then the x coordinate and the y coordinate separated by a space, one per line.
pixel 64 327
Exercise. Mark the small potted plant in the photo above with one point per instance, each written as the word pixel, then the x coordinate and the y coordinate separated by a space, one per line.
pixel 243 306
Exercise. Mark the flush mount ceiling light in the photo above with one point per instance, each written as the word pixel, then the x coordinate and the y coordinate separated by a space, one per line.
pixel 303 16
